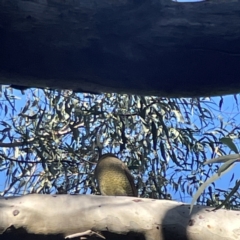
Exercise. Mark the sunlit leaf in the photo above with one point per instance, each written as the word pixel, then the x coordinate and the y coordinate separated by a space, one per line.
pixel 223 159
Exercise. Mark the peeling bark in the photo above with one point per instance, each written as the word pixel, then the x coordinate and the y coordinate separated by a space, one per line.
pixel 114 218
pixel 151 47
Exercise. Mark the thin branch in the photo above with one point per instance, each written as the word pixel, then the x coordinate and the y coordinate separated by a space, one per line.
pixel 38 162
pixel 17 144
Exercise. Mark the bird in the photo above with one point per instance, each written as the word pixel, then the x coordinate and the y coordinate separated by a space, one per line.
pixel 113 177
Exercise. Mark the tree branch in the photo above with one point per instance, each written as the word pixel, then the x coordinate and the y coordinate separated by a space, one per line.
pixel 66 215
pixel 149 47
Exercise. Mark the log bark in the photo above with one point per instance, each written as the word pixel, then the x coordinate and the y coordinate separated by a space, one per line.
pixel 61 216
pixel 150 47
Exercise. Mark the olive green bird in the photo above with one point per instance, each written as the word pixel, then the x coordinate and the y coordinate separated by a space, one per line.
pixel 113 177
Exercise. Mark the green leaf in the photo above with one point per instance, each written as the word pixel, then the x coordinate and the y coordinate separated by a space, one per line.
pixel 222 159
pixel 225 166
pixel 205 184
pixel 234 190
pixel 229 142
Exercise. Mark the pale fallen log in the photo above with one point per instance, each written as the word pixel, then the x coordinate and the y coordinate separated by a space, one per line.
pixel 88 215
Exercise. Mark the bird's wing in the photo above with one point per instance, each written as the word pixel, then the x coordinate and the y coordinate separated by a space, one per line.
pixel 131 180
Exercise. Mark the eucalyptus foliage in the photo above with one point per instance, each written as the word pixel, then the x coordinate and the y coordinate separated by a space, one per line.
pixel 50 141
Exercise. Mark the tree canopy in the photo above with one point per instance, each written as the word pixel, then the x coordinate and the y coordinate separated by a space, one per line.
pixel 51 140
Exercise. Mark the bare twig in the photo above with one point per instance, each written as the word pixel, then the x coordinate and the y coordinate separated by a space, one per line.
pixel 88 233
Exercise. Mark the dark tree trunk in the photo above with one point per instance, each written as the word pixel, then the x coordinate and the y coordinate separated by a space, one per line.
pixel 155 47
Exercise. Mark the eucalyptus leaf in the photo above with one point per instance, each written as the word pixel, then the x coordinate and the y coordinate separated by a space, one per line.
pixel 229 143
pixel 223 159
pixel 225 166
pixel 205 184
pixel 232 192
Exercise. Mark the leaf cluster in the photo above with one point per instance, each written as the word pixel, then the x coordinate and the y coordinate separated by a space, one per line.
pixel 51 140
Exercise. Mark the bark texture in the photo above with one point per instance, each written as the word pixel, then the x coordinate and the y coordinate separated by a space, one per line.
pixel 113 218
pixel 150 47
